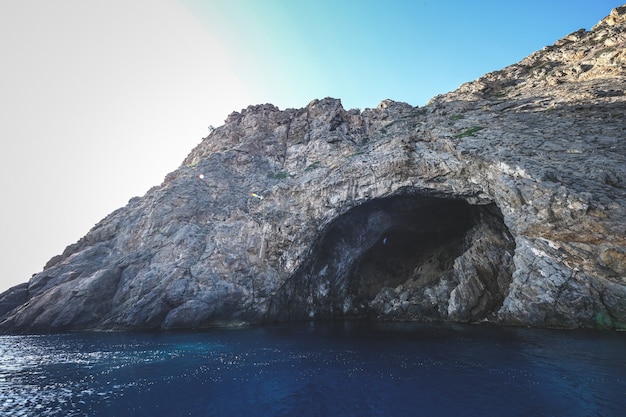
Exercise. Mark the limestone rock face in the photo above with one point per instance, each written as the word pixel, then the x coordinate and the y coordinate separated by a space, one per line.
pixel 503 201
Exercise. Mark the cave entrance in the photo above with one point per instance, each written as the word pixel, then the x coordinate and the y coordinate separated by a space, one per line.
pixel 417 241
pixel 407 258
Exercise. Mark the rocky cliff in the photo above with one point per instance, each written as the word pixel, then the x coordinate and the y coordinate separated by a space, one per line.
pixel 503 201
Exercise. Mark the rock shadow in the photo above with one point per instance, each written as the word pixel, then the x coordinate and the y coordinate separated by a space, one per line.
pixel 403 258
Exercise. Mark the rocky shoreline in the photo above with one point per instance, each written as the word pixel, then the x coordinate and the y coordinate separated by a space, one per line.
pixel 503 201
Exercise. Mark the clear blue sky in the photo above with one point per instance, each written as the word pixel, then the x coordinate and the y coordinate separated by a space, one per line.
pixel 364 50
pixel 101 99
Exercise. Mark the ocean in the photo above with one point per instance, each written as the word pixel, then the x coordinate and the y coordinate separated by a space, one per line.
pixel 317 369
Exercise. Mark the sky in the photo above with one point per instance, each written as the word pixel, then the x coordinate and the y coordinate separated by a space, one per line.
pixel 99 100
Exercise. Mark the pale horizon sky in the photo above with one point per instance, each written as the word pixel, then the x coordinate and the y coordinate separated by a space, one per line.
pixel 101 99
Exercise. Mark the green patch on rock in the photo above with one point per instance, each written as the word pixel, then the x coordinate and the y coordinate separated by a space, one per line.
pixel 606 322
pixel 313 166
pixel 280 175
pixel 469 132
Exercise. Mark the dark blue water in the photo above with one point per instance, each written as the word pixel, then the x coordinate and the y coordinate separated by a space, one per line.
pixel 322 369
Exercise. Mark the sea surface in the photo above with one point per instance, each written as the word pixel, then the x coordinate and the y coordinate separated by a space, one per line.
pixel 317 369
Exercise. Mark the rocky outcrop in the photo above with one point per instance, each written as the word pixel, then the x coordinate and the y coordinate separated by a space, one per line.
pixel 502 201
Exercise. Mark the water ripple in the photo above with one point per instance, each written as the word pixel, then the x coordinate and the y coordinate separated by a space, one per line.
pixel 311 370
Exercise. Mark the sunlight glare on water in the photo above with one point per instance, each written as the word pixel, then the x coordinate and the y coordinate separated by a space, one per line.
pixel 315 369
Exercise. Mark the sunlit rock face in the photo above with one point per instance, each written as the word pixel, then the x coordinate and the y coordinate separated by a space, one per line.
pixel 503 201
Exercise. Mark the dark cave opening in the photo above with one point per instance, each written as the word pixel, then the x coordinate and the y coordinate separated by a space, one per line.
pixel 394 258
pixel 402 258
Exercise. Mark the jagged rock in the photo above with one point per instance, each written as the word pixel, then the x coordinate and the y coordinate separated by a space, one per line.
pixel 13 297
pixel 501 201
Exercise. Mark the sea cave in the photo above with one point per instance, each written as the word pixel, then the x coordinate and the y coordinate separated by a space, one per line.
pixel 409 257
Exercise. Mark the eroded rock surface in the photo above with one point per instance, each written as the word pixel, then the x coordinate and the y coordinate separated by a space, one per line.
pixel 501 201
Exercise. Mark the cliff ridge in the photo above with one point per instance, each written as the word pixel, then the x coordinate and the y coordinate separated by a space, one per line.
pixel 503 201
